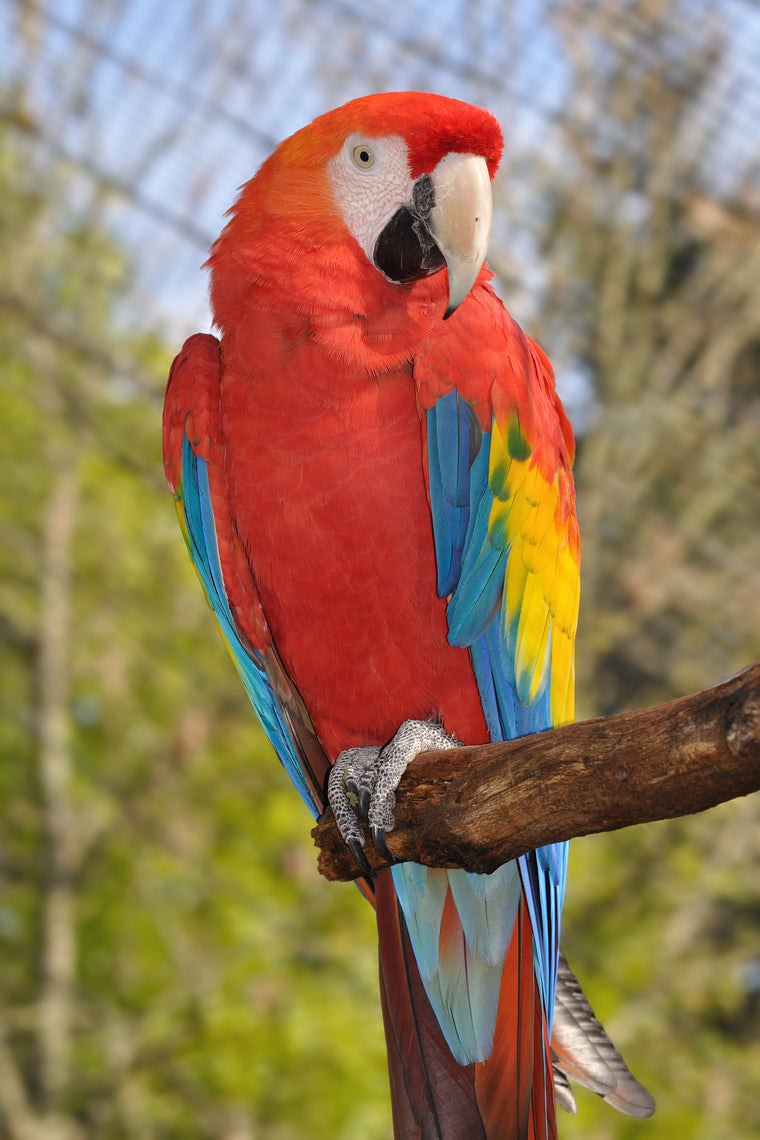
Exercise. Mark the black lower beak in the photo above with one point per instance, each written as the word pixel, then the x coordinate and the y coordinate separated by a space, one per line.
pixel 405 250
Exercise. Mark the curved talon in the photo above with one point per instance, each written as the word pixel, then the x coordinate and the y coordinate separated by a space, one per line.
pixel 362 803
pixel 357 851
pixel 358 797
pixel 378 838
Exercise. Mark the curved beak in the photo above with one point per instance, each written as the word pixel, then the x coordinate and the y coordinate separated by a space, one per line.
pixel 460 220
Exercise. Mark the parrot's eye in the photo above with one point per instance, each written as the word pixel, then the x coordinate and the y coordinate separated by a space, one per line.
pixel 364 156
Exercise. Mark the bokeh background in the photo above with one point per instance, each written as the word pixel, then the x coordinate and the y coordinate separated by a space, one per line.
pixel 172 964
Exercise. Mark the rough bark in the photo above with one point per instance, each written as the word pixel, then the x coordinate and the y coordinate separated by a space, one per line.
pixel 477 807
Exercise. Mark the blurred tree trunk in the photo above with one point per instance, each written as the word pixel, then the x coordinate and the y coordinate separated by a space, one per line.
pixel 58 946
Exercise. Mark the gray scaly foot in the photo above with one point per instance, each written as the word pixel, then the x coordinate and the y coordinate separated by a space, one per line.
pixel 363 781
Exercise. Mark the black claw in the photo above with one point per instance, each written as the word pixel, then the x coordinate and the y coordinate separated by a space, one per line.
pixel 362 805
pixel 357 851
pixel 378 838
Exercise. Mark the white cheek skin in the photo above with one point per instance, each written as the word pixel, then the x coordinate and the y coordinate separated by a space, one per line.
pixel 368 199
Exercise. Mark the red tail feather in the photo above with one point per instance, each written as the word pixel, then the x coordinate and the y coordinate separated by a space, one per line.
pixel 433 1097
pixel 508 1097
pixel 514 1086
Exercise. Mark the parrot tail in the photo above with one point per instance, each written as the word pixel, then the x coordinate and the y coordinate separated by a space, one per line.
pixel 581 1050
pixel 433 1096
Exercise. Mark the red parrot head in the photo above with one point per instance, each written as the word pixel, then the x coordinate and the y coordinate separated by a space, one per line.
pixel 399 182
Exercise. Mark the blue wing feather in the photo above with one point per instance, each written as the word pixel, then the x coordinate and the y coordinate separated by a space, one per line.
pixel 477 592
pixel 475 619
pixel 454 435
pixel 250 663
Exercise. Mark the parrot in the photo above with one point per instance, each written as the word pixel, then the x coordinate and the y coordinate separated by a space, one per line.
pixel 372 471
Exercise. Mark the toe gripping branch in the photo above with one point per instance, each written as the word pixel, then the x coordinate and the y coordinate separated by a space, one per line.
pixel 362 785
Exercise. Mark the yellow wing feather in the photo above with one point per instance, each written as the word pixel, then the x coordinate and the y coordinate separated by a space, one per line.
pixel 530 519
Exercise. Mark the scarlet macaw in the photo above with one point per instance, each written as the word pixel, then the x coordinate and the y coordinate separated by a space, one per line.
pixel 372 470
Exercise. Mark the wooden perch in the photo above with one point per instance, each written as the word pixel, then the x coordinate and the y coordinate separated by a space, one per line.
pixel 477 807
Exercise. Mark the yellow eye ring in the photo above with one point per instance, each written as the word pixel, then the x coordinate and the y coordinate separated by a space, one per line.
pixel 363 156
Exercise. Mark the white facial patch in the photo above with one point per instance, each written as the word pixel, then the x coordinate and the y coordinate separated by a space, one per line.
pixel 370 180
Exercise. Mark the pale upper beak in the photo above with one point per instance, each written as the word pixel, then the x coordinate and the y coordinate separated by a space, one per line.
pixel 460 220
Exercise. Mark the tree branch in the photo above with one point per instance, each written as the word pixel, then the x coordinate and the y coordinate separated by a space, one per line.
pixel 477 807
